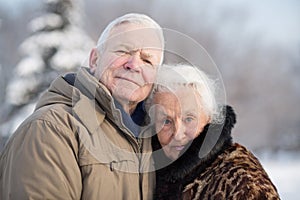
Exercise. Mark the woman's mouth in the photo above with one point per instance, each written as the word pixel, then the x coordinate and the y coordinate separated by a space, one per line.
pixel 179 148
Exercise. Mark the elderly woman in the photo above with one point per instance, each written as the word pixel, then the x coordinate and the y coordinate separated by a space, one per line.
pixel 193 150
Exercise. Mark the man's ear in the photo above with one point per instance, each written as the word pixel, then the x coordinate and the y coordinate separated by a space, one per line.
pixel 93 60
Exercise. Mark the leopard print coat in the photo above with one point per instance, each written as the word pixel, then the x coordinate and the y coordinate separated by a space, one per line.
pixel 213 170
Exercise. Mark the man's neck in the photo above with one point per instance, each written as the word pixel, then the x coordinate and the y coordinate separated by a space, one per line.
pixel 134 120
pixel 128 106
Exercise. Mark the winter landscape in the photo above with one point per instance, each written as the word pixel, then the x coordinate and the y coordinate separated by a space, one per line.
pixel 256 47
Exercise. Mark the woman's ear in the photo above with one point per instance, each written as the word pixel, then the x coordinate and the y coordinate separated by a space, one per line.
pixel 93 60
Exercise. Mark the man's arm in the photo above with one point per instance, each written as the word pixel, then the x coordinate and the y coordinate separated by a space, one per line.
pixel 41 162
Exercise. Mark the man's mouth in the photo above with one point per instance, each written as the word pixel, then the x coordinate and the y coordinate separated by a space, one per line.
pixel 129 80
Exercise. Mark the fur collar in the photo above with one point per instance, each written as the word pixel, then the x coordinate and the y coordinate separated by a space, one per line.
pixel 201 153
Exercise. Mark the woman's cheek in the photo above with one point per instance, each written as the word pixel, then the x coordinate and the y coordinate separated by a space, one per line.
pixel 164 138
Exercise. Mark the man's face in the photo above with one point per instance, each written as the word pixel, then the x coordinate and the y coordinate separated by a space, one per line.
pixel 128 64
pixel 179 119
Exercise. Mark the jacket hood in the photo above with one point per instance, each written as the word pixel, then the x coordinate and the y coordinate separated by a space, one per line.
pixel 59 92
pixel 203 150
pixel 88 99
pixel 69 88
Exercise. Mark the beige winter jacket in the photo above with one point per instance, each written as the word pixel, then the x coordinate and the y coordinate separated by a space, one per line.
pixel 75 146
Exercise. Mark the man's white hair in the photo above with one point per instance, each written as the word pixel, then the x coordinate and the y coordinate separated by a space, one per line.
pixel 133 18
pixel 170 77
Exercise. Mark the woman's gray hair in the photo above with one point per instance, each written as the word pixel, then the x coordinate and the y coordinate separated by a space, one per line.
pixel 169 77
pixel 133 18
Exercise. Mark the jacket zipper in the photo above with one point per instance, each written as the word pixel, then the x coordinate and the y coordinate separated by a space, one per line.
pixel 140 146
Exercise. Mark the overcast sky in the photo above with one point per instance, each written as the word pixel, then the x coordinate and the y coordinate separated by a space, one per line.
pixel 276 20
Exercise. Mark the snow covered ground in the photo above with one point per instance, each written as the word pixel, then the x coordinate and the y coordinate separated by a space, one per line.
pixel 284 170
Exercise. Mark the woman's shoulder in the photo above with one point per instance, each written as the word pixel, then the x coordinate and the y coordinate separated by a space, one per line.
pixel 238 155
pixel 239 164
pixel 235 174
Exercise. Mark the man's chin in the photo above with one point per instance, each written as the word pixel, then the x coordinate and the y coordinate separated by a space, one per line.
pixel 128 97
pixel 130 94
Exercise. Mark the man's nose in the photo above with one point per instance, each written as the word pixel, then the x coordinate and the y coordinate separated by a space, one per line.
pixel 134 62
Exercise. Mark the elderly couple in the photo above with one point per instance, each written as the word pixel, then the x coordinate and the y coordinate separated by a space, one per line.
pixel 128 127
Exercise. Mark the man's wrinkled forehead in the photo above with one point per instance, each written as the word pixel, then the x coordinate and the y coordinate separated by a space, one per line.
pixel 137 36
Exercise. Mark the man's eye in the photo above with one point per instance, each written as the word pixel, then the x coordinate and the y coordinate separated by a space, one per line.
pixel 121 52
pixel 147 61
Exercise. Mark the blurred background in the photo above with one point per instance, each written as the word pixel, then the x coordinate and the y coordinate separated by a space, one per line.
pixel 255 45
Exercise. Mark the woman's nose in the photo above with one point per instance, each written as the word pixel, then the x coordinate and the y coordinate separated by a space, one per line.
pixel 180 131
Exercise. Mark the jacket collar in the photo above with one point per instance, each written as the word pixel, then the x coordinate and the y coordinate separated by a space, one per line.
pixel 90 100
pixel 98 97
pixel 202 151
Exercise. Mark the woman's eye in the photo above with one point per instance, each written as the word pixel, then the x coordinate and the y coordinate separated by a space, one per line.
pixel 167 122
pixel 188 119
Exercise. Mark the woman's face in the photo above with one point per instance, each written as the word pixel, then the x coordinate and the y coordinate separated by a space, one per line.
pixel 179 118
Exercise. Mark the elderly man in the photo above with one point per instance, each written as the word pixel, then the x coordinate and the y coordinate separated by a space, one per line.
pixel 82 141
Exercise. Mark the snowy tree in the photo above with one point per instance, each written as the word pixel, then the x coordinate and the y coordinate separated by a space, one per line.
pixel 57 45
